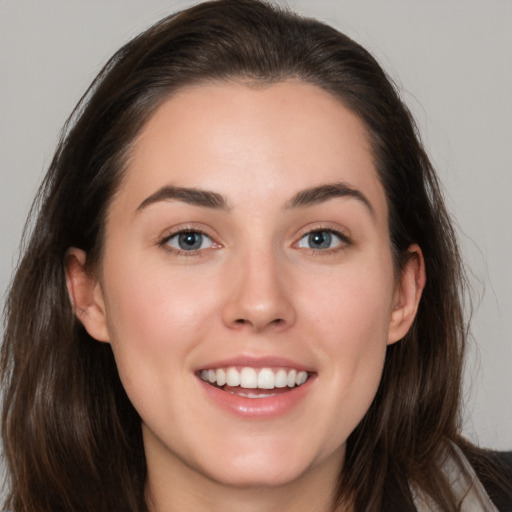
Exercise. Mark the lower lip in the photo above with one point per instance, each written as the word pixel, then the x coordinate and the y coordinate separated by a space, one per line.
pixel 264 408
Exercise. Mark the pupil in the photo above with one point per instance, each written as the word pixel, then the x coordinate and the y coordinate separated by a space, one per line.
pixel 320 239
pixel 188 241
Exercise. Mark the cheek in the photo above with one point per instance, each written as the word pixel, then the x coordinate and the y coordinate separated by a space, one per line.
pixel 351 314
pixel 353 367
pixel 353 304
pixel 355 340
pixel 153 299
pixel 156 320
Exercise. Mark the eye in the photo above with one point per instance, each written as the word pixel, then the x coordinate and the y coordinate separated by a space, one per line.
pixel 322 239
pixel 189 241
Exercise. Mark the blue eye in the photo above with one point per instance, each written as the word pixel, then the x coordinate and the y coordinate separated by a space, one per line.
pixel 189 241
pixel 320 240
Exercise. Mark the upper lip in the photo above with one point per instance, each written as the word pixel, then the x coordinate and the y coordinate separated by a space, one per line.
pixel 256 362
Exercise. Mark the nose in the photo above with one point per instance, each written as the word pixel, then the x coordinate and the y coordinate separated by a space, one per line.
pixel 260 296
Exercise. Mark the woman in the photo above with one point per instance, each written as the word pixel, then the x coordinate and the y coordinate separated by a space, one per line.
pixel 242 290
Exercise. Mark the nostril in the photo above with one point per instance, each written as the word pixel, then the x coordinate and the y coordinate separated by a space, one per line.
pixel 243 322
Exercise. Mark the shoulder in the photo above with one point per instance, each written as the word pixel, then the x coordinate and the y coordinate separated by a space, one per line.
pixel 492 469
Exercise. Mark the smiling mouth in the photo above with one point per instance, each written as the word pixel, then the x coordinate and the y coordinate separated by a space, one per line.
pixel 262 383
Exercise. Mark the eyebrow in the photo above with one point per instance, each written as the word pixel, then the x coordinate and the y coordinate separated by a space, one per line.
pixel 214 200
pixel 193 196
pixel 322 193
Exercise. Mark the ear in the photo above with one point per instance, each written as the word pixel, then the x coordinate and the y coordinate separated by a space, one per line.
pixel 86 295
pixel 407 295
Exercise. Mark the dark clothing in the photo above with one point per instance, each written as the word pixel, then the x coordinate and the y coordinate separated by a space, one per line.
pixel 502 500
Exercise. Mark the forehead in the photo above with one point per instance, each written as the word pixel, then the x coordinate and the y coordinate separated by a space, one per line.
pixel 263 142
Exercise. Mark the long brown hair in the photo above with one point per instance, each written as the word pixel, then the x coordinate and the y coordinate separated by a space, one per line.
pixel 72 439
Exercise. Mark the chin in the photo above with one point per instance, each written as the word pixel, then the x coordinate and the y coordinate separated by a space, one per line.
pixel 266 466
pixel 251 475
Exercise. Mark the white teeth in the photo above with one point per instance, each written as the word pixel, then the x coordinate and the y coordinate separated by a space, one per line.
pixel 281 379
pixel 252 378
pixel 248 378
pixel 233 377
pixel 266 379
pixel 252 395
pixel 291 378
pixel 221 377
pixel 301 378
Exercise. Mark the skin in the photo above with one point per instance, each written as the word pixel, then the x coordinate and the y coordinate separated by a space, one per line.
pixel 255 288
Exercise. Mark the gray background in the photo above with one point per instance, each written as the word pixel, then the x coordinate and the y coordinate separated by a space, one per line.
pixel 453 63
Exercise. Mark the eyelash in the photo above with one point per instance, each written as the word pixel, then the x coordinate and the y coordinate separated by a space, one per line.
pixel 344 241
pixel 164 242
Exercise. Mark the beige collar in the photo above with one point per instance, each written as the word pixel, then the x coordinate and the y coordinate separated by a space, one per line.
pixel 468 490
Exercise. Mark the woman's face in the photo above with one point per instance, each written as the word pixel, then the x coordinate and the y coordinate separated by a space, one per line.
pixel 249 242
